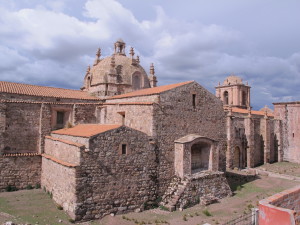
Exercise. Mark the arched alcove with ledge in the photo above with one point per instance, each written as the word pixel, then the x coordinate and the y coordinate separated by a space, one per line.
pixel 195 154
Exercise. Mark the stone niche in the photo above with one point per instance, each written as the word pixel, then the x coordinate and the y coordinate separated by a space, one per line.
pixel 195 154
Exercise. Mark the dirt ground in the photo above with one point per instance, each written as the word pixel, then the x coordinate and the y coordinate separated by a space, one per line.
pixel 36 207
pixel 288 168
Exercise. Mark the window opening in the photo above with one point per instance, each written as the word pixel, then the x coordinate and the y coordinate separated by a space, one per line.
pixel 124 149
pixel 194 100
pixel 225 95
pixel 60 118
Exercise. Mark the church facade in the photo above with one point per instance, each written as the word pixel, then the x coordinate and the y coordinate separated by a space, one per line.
pixel 122 143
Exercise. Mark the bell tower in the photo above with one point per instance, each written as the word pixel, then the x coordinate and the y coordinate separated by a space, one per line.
pixel 234 93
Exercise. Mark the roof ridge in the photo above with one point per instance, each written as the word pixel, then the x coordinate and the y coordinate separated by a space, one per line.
pixel 151 91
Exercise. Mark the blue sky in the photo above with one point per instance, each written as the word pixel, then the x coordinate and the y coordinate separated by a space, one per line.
pixel 49 42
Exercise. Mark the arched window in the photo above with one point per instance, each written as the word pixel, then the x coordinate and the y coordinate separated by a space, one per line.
pixel 88 82
pixel 136 81
pixel 225 97
pixel 244 98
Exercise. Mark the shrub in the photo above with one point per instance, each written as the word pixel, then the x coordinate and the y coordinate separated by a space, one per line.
pixel 162 207
pixel 37 186
pixel 29 187
pixel 238 188
pixel 59 207
pixel 206 212
pixel 71 221
pixel 11 188
pixel 184 218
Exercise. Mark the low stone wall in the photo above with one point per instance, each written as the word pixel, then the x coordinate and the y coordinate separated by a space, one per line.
pixel 20 171
pixel 204 188
pixel 281 208
pixel 60 181
pixel 238 177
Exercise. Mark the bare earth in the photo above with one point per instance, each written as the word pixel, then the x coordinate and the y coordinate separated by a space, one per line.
pixel 35 206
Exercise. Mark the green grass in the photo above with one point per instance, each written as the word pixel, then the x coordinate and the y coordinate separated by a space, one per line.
pixel 41 207
pixel 246 189
pixel 206 212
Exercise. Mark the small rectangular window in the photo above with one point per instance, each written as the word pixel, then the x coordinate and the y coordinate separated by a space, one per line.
pixel 194 100
pixel 60 118
pixel 124 149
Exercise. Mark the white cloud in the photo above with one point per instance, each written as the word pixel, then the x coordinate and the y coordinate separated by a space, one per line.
pixel 43 44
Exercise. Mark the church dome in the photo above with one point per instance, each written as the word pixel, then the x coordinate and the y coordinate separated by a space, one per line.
pixel 124 70
pixel 232 79
pixel 117 74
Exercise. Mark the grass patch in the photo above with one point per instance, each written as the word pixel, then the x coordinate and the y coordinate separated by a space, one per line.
pixel 248 188
pixel 206 212
pixel 31 206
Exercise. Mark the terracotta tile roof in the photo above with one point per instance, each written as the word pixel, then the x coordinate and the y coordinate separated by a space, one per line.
pixel 150 91
pixel 86 130
pixel 253 112
pixel 59 161
pixel 130 103
pixel 50 103
pixel 20 154
pixel 65 141
pixel 34 90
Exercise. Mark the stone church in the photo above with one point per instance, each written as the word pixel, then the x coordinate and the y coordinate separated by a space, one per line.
pixel 122 143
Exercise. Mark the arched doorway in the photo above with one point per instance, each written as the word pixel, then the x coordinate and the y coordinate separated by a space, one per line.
pixel 236 157
pixel 200 156
pixel 274 149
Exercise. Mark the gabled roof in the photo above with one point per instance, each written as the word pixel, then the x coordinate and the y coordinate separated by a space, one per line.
pixel 86 130
pixel 150 91
pixel 35 90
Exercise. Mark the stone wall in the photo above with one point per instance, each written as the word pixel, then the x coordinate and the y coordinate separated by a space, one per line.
pixel 136 116
pixel 258 153
pixel 205 189
pixel 85 113
pixel 146 98
pixel 21 128
pixel 112 182
pixel 281 208
pixel 176 117
pixel 60 181
pixel 289 113
pixel 23 125
pixel 20 171
pixel 236 141
pixel 63 150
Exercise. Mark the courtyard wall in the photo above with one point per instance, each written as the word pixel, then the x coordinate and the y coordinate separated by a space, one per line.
pixel 20 171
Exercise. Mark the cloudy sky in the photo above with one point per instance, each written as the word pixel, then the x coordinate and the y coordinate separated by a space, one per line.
pixel 49 42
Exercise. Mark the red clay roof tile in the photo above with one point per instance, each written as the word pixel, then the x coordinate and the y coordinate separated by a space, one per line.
pixel 150 91
pixel 86 130
pixel 253 112
pixel 34 90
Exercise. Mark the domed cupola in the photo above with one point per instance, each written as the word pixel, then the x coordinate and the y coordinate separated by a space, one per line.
pixel 117 74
